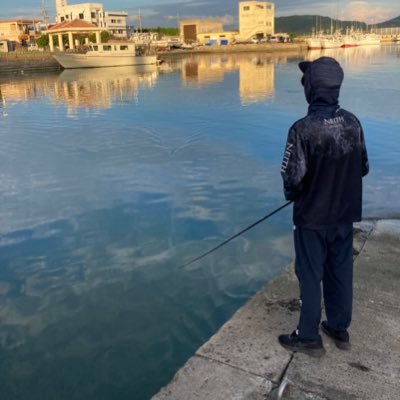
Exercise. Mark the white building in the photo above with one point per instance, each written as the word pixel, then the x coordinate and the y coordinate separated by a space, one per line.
pixel 256 19
pixel 111 21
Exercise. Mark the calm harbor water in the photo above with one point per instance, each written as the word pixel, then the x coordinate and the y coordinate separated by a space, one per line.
pixel 110 179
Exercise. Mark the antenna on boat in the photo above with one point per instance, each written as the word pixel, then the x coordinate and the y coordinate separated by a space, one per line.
pixel 140 21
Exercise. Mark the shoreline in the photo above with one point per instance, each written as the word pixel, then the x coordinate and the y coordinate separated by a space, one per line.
pixel 244 360
pixel 35 61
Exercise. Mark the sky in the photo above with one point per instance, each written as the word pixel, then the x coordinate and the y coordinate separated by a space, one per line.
pixel 167 12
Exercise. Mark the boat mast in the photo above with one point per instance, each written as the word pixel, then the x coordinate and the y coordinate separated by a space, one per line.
pixel 140 22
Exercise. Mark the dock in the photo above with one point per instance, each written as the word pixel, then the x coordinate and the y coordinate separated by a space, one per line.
pixel 243 360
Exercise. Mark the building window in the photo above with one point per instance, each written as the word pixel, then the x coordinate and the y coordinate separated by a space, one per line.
pixel 260 6
pixel 62 19
pixel 81 16
pixel 67 17
pixel 93 14
pixel 222 36
pixel 207 37
pixel 107 48
pixel 124 48
pixel 246 8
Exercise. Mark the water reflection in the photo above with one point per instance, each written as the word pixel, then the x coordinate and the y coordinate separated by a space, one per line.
pixel 100 88
pixel 99 210
pixel 96 88
pixel 353 59
pixel 256 73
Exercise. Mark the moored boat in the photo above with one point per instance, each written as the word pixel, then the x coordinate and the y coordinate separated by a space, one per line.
pixel 331 42
pixel 105 55
pixel 368 39
pixel 349 41
pixel 314 43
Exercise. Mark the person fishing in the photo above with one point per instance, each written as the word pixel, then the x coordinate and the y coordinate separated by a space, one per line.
pixel 323 164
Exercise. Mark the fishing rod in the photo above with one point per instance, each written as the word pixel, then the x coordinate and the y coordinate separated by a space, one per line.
pixel 236 235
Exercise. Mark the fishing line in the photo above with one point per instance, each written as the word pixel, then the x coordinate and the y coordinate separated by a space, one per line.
pixel 236 235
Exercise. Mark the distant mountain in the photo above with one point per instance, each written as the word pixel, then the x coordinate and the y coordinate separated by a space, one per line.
pixel 392 23
pixel 306 24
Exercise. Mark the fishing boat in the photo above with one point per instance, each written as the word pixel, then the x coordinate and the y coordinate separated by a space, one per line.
pixel 314 43
pixel 349 41
pixel 368 39
pixel 361 39
pixel 105 55
pixel 332 42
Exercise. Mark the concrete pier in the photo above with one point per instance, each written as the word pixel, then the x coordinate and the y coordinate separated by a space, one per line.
pixel 244 360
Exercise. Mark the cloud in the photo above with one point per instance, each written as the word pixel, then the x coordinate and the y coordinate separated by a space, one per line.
pixel 366 12
pixel 156 12
pixel 228 19
pixel 198 4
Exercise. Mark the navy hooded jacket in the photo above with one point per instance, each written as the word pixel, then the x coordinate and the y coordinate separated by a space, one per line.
pixel 325 156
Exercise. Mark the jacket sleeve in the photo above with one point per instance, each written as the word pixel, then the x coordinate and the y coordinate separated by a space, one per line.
pixel 294 166
pixel 364 155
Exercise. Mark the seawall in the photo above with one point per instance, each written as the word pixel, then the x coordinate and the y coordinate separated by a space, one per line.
pixel 28 61
pixel 243 360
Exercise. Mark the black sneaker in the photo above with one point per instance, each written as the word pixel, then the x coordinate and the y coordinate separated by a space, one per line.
pixel 341 338
pixel 313 348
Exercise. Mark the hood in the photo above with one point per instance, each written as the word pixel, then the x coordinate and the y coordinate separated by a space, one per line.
pixel 322 81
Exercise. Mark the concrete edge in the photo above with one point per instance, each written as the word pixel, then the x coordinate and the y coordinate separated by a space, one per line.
pixel 227 349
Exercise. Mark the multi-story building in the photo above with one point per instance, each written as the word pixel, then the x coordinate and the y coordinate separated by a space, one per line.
pixel 190 29
pixel 19 30
pixel 115 23
pixel 256 19
pixel 111 21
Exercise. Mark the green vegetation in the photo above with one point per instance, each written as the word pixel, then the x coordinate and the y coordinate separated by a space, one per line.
pixel 163 31
pixel 43 41
pixel 104 36
pixel 306 24
pixel 393 23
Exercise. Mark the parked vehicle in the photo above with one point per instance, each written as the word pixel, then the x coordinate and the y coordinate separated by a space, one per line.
pixel 33 47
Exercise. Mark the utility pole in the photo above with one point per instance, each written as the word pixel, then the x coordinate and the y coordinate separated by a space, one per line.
pixel 45 14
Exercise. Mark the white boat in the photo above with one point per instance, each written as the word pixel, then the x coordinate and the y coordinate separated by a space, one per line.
pixel 349 41
pixel 105 55
pixel 314 43
pixel 368 39
pixel 331 42
pixel 361 39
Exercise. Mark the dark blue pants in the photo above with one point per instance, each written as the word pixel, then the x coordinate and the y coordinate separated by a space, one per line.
pixel 324 256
